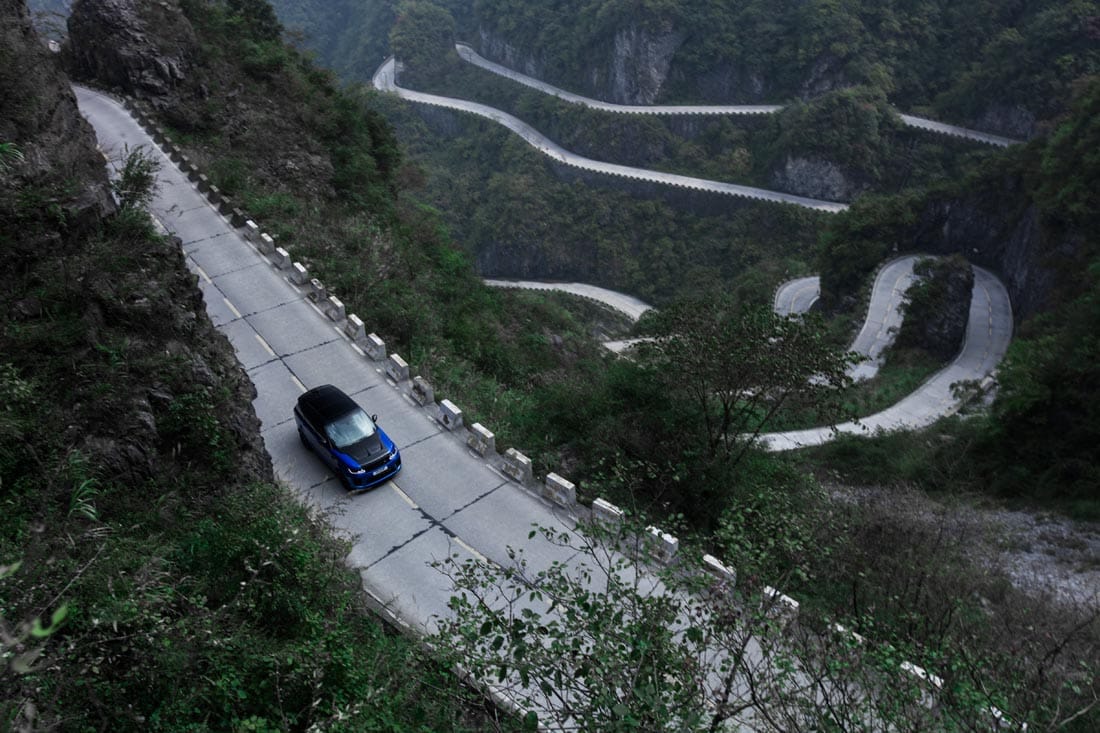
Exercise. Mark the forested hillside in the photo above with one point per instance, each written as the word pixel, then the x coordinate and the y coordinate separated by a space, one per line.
pixel 996 65
pixel 163 609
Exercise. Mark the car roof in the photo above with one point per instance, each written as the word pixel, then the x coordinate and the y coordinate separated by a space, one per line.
pixel 326 403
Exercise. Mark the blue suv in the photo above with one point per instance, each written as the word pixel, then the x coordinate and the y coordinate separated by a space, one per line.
pixel 346 438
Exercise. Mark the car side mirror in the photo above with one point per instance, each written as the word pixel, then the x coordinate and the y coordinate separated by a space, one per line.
pixel 374 418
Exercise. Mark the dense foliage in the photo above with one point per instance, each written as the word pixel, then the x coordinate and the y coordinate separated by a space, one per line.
pixel 1038 440
pixel 854 131
pixel 1003 64
pixel 140 588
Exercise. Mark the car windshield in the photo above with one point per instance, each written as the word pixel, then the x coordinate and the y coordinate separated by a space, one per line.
pixel 350 429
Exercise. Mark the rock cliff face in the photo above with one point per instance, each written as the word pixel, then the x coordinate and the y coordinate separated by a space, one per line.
pixel 498 49
pixel 1010 120
pixel 146 49
pixel 816 178
pixel 112 289
pixel 638 66
pixel 633 71
pixel 39 115
pixel 1011 242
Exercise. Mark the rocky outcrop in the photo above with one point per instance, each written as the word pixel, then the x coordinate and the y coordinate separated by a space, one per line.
pixel 39 115
pixel 1010 120
pixel 496 48
pixel 816 178
pixel 1007 240
pixel 825 75
pixel 146 49
pixel 938 307
pixel 633 71
pixel 725 83
pixel 638 66
pixel 129 301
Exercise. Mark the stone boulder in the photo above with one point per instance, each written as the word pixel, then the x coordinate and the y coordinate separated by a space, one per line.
pixel 146 48
pixel 40 118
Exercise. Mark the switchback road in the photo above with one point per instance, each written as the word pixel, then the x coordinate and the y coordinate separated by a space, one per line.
pixel 384 80
pixel 468 54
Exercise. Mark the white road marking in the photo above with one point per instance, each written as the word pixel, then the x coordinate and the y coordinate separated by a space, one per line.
pixel 403 495
pixel 202 273
pixel 466 546
pixel 299 383
pixel 263 343
pixel 233 308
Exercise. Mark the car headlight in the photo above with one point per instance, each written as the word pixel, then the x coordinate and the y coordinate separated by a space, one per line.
pixel 356 471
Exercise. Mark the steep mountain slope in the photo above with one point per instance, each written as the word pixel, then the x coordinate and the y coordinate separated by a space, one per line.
pixel 152 576
pixel 997 66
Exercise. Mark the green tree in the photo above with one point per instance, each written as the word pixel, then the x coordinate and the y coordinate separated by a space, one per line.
pixel 259 19
pixel 423 37
pixel 137 178
pixel 612 641
pixel 738 366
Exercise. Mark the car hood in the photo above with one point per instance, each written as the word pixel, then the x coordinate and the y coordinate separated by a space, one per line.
pixel 368 449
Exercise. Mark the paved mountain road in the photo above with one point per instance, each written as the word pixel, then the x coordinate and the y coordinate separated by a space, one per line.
pixel 468 54
pixel 988 333
pixel 445 500
pixel 384 80
pixel 883 318
pixel 990 326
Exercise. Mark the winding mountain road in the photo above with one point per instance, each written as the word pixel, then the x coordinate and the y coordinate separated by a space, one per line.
pixel 468 54
pixel 447 502
pixel 384 80
pixel 989 329
pixel 988 333
pixel 884 314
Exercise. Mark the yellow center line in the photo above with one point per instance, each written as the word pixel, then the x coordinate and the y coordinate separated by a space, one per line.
pixel 263 343
pixel 233 308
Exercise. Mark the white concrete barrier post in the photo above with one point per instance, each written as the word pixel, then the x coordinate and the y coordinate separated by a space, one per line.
pixel 299 275
pixel 481 440
pixel 354 328
pixel 375 347
pixel 450 415
pixel 251 231
pixel 663 544
pixel 317 292
pixel 265 244
pixel 334 309
pixel 518 466
pixel 780 606
pixel 396 368
pixel 422 391
pixel 606 513
pixel 725 575
pixel 559 490
pixel 281 258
